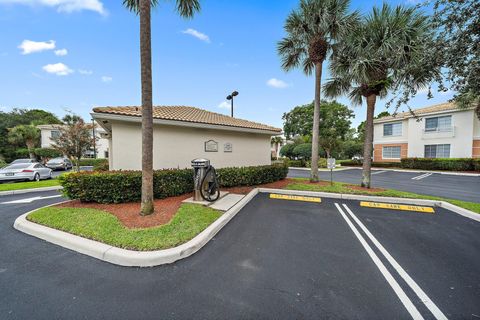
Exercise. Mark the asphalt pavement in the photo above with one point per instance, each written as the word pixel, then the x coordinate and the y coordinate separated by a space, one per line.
pixel 458 187
pixel 276 259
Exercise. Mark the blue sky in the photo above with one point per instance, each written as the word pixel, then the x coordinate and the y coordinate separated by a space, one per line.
pixel 75 54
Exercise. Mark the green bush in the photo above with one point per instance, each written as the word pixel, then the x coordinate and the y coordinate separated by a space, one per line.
pixel 322 163
pixel 2 163
pixel 287 150
pixel 303 151
pixel 296 163
pixel 476 164
pixel 358 163
pixel 125 186
pixel 101 165
pixel 47 153
pixel 91 162
pixel 447 164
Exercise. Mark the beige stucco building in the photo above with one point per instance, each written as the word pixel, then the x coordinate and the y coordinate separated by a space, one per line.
pixel 182 134
pixel 438 131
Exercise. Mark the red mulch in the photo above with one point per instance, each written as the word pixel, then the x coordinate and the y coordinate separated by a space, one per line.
pixel 129 213
pixel 360 188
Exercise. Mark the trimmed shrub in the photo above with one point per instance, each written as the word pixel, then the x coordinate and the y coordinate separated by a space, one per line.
pixel 303 151
pixel 322 163
pixel 91 162
pixel 287 150
pixel 101 165
pixel 125 186
pixel 476 164
pixel 295 163
pixel 448 164
pixel 358 163
pixel 47 153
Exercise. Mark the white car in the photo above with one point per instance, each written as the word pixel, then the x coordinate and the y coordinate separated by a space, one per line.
pixel 25 172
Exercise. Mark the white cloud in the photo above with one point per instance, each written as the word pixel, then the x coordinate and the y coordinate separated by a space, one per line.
pixel 196 34
pixel 58 68
pixel 85 72
pixel 225 105
pixel 61 52
pixel 29 46
pixel 67 6
pixel 275 83
pixel 107 79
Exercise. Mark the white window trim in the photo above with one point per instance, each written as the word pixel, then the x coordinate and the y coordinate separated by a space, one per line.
pixel 437 130
pixel 383 148
pixel 439 144
pixel 393 135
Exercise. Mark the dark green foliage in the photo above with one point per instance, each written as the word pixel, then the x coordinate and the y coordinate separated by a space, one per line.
pixel 303 151
pixel 20 117
pixel 101 165
pixel 47 153
pixel 287 150
pixel 125 186
pixel 358 163
pixel 476 164
pixel 91 162
pixel 449 164
pixel 296 163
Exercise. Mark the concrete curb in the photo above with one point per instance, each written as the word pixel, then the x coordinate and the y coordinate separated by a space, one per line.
pixel 419 202
pixel 451 173
pixel 322 169
pixel 12 192
pixel 125 257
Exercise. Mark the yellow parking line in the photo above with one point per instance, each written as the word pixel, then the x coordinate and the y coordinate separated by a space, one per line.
pixel 394 206
pixel 295 198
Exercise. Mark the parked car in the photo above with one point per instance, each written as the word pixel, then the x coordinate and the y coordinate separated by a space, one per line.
pixel 23 161
pixel 59 164
pixel 25 172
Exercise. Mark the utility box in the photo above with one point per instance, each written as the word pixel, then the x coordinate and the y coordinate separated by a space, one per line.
pixel 199 170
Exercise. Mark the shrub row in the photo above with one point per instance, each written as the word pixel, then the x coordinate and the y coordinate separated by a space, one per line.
pixel 322 163
pixel 91 162
pixel 447 164
pixel 125 186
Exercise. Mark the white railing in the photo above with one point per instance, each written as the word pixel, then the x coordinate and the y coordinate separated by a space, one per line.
pixel 439 132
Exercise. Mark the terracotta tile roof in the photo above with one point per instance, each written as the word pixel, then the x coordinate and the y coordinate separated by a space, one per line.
pixel 187 114
pixel 447 106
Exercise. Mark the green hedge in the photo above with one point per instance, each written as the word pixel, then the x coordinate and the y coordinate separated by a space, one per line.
pixel 295 163
pixel 476 164
pixel 91 162
pixel 357 163
pixel 448 164
pixel 125 186
pixel 322 163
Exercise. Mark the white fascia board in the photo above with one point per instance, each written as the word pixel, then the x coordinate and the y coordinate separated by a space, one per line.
pixel 378 121
pixel 115 117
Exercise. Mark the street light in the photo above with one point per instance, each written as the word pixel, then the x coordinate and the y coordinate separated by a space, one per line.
pixel 230 97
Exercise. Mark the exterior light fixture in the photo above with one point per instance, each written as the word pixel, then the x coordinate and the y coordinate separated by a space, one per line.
pixel 230 97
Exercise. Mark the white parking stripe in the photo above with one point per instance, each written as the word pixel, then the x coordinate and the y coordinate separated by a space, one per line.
pixel 378 172
pixel 437 313
pixel 388 276
pixel 422 176
pixel 30 200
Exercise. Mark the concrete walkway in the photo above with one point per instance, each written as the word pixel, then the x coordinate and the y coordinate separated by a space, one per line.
pixel 224 203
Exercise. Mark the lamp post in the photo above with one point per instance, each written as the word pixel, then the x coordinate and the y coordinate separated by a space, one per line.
pixel 230 97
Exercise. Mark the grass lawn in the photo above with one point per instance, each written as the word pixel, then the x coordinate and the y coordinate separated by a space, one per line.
pixel 339 187
pixel 101 226
pixel 28 185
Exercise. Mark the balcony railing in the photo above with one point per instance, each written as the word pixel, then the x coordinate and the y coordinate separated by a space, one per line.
pixel 433 133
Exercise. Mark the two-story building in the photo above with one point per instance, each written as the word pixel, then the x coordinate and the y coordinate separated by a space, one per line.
pixel 49 131
pixel 438 131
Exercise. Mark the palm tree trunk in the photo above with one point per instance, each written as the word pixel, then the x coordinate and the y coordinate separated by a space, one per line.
pixel 147 109
pixel 316 123
pixel 368 146
pixel 30 146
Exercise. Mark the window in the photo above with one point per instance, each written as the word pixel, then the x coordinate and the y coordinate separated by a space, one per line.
pixel 392 129
pixel 391 152
pixel 437 151
pixel 55 134
pixel 438 124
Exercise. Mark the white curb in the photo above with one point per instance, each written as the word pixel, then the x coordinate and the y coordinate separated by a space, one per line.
pixel 12 192
pixel 451 173
pixel 125 257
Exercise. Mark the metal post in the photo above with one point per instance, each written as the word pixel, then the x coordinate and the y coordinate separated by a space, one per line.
pixel 331 177
pixel 232 107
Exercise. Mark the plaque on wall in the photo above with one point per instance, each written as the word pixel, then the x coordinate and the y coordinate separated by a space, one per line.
pixel 211 146
pixel 228 147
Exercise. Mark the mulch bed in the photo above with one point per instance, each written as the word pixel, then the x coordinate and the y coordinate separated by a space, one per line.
pixel 360 188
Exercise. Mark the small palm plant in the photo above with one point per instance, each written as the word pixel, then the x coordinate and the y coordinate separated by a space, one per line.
pixel 27 135
pixel 385 52
pixel 313 32
pixel 186 9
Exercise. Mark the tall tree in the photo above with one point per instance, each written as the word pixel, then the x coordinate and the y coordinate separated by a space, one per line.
pixel 313 31
pixel 381 54
pixel 456 47
pixel 186 9
pixel 27 135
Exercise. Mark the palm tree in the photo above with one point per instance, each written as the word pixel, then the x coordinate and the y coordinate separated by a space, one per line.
pixel 313 31
pixel 380 55
pixel 27 135
pixel 186 9
pixel 276 141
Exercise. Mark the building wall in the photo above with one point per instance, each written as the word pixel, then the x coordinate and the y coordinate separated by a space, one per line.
pixel 378 151
pixel 176 147
pixel 466 130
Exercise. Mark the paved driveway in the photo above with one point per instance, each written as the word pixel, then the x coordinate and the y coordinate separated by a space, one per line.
pixel 276 259
pixel 465 188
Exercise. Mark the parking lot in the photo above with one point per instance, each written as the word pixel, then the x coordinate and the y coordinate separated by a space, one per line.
pixel 448 186
pixel 277 259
